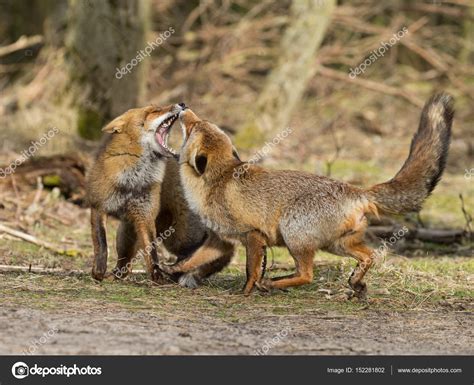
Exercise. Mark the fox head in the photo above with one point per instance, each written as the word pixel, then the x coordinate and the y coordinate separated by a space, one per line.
pixel 149 126
pixel 206 149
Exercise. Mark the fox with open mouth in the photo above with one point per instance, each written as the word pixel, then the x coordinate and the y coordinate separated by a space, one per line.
pixel 302 211
pixel 135 178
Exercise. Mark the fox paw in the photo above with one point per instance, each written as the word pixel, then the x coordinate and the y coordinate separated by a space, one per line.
pixel 265 285
pixel 359 290
pixel 157 275
pixel 98 273
pixel 189 280
pixel 170 269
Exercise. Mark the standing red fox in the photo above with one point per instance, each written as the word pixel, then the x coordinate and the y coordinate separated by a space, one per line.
pixel 135 177
pixel 126 179
pixel 299 210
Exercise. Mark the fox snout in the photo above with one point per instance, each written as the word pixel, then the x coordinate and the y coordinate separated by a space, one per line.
pixel 187 119
pixel 179 107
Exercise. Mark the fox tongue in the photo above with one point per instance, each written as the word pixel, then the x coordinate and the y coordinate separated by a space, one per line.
pixel 160 137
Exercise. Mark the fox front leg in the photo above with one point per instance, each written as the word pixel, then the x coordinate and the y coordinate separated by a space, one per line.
pixel 148 248
pixel 99 241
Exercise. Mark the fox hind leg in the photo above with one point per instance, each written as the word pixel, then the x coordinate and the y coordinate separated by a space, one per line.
pixel 353 246
pixel 255 244
pixel 211 257
pixel 303 275
pixel 204 271
pixel 363 255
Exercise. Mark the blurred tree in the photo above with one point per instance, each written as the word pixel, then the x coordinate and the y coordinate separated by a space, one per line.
pixel 104 36
pixel 467 53
pixel 286 83
pixel 18 18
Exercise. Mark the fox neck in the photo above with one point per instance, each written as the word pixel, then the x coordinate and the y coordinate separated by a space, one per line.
pixel 145 167
pixel 202 201
pixel 195 189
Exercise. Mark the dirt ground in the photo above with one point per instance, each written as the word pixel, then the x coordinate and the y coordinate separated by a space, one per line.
pixel 72 314
pixel 105 330
pixel 421 295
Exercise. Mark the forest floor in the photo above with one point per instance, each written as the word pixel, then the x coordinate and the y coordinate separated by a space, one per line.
pixel 422 305
pixel 420 299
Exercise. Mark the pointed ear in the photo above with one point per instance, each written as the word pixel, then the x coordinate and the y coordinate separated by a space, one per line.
pixel 199 162
pixel 115 125
pixel 235 153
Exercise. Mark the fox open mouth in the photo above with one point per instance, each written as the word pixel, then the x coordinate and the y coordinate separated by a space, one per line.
pixel 162 133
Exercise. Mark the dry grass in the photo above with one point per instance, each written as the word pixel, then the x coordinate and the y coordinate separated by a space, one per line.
pixel 427 281
pixel 396 284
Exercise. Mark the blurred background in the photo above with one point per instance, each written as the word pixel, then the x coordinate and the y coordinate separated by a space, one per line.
pixel 253 67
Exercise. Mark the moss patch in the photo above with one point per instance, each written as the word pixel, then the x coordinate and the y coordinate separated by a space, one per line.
pixel 89 124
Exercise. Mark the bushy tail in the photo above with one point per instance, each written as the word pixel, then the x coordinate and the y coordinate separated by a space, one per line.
pixel 422 170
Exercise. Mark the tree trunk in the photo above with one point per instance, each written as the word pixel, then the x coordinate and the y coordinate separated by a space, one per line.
pixel 103 37
pixel 286 83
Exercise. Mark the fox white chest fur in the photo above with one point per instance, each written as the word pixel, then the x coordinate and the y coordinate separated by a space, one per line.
pixel 212 216
pixel 133 185
pixel 150 169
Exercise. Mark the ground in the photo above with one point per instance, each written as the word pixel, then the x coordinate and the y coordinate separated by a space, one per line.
pixel 421 297
pixel 416 306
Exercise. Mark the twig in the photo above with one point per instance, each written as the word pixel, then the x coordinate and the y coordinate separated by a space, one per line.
pixel 22 43
pixel 45 270
pixel 436 61
pixel 422 301
pixel 371 85
pixel 32 239
pixel 31 269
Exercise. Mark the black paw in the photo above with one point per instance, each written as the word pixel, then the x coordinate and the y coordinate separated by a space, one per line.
pixel 360 289
pixel 157 275
pixel 98 274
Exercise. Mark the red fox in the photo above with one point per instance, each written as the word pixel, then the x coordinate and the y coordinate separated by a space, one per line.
pixel 135 178
pixel 299 210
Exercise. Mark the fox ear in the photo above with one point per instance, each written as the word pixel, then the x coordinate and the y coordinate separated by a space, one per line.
pixel 115 125
pixel 199 162
pixel 235 153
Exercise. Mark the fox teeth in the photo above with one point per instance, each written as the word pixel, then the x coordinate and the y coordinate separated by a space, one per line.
pixel 168 122
pixel 165 145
